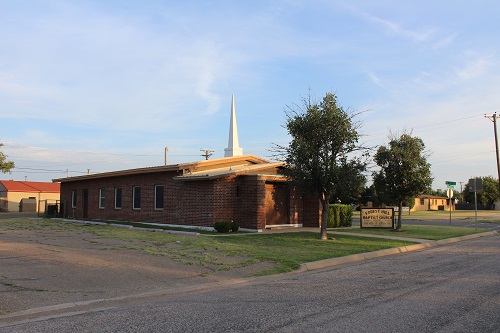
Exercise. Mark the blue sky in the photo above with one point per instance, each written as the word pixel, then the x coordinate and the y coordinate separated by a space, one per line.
pixel 107 85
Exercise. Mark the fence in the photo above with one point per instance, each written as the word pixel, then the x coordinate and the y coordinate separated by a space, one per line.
pixel 49 208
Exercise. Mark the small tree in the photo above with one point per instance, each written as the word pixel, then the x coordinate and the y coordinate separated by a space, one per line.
pixel 404 170
pixel 5 166
pixel 318 158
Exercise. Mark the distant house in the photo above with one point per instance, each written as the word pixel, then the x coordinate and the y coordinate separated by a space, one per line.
pixel 431 202
pixel 245 188
pixel 17 196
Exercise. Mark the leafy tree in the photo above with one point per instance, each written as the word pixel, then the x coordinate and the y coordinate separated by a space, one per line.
pixel 5 166
pixel 438 192
pixel 404 170
pixel 320 157
pixel 349 191
pixel 488 196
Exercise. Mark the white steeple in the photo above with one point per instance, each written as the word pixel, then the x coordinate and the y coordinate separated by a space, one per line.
pixel 233 146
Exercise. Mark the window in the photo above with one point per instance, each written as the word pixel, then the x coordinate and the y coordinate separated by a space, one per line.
pixel 101 198
pixel 422 201
pixel 136 197
pixel 73 199
pixel 158 197
pixel 118 197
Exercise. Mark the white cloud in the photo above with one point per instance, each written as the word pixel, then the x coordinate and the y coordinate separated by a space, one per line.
pixel 445 42
pixel 375 79
pixel 474 66
pixel 398 30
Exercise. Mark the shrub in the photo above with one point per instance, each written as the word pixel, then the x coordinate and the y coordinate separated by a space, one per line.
pixel 226 226
pixel 235 226
pixel 339 216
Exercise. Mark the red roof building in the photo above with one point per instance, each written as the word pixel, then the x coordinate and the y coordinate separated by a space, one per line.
pixel 13 193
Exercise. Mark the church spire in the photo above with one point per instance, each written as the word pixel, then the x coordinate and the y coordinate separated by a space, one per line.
pixel 233 146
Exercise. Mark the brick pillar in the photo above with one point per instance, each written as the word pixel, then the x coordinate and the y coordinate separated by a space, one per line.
pixel 252 196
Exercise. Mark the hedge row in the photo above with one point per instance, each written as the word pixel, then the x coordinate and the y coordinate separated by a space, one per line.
pixel 339 216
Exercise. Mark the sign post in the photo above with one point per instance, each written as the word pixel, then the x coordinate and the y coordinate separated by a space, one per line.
pixel 449 192
pixel 475 185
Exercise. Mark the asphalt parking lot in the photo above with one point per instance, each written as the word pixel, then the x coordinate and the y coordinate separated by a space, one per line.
pixel 49 267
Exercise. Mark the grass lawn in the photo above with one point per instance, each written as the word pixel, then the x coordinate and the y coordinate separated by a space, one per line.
pixel 420 231
pixel 289 250
pixel 285 250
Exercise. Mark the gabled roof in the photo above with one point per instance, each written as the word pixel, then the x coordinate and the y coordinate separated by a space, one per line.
pixel 39 187
pixel 181 169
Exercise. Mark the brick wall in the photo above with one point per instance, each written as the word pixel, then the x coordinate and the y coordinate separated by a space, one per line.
pixel 201 203
pixel 185 203
pixel 251 202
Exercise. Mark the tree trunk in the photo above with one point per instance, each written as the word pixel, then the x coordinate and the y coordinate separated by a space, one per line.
pixel 324 216
pixel 400 213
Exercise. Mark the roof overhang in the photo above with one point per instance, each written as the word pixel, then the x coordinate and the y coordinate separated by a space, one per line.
pixel 206 166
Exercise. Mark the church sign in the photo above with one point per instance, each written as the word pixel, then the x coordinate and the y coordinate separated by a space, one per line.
pixel 377 218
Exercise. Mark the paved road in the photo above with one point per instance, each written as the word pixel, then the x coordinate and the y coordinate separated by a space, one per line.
pixel 454 223
pixel 453 288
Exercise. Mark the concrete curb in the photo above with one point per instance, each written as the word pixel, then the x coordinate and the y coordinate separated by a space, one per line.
pixel 355 258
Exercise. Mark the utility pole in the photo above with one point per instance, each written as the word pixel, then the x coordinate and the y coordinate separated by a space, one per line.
pixel 206 153
pixel 166 151
pixel 494 119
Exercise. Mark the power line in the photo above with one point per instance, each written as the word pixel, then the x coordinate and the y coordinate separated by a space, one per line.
pixel 462 157
pixel 431 126
pixel 7 145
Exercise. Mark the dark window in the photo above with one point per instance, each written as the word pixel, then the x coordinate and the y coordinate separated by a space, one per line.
pixel 118 197
pixel 136 197
pixel 158 196
pixel 73 199
pixel 422 201
pixel 101 198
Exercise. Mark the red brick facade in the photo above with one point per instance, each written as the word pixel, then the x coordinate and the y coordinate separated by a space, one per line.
pixel 195 201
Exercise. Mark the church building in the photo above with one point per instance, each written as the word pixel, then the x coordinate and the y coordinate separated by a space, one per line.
pixel 243 188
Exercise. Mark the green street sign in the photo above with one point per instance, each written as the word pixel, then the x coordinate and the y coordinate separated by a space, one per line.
pixel 450 186
pixel 450 183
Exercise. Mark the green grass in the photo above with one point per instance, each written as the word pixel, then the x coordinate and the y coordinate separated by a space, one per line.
pixel 420 231
pixel 289 250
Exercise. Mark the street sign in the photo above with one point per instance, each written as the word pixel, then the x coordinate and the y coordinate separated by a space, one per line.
pixel 475 185
pixel 450 183
pixel 449 193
